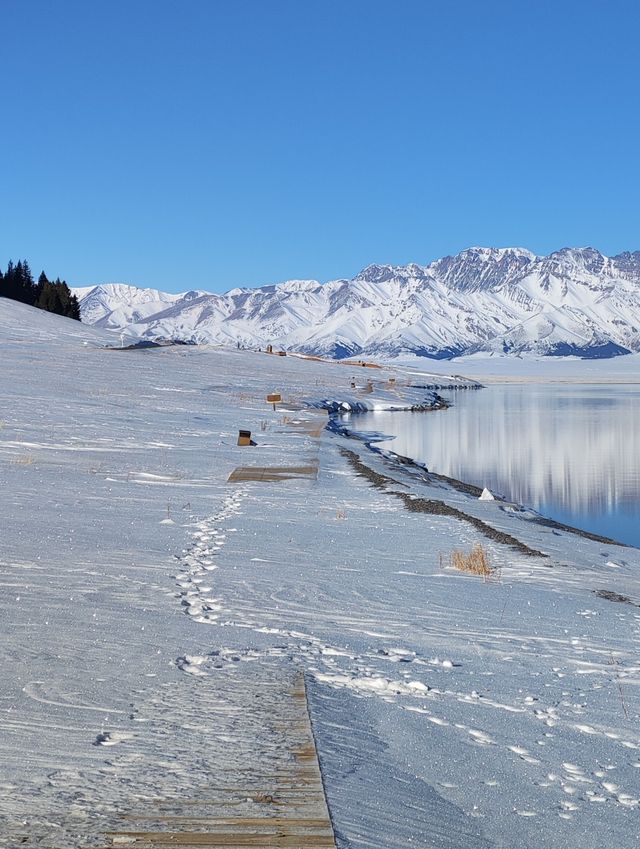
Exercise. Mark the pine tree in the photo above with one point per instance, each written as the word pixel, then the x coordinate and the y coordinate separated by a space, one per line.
pixel 54 297
pixel 29 287
pixel 74 308
pixel 24 283
pixel 9 281
pixel 69 302
pixel 40 286
pixel 63 295
pixel 46 300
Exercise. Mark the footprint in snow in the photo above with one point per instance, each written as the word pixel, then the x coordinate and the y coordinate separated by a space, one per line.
pixel 111 738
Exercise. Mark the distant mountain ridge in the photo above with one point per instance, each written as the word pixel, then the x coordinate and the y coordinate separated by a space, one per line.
pixel 575 301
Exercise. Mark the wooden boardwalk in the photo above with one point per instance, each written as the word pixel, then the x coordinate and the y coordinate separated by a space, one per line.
pixel 272 474
pixel 282 807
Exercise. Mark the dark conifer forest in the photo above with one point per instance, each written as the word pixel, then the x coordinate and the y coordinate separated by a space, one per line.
pixel 51 295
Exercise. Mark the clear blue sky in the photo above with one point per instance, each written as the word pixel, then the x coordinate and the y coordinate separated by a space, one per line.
pixel 212 144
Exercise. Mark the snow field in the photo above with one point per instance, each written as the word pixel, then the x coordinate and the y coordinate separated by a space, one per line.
pixel 145 601
pixel 494 670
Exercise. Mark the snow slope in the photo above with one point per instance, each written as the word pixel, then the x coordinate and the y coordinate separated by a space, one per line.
pixel 19 323
pixel 573 302
pixel 146 603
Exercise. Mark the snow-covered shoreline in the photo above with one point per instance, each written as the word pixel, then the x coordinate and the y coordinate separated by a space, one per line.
pixel 417 393
pixel 412 467
pixel 142 592
pixel 349 404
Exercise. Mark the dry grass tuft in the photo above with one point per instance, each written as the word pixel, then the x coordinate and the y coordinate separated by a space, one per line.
pixel 476 561
pixel 24 460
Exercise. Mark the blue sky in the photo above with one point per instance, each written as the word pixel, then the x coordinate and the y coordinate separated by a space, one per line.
pixel 211 144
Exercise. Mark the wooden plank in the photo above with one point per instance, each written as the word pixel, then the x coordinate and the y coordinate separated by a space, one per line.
pixel 288 809
pixel 272 474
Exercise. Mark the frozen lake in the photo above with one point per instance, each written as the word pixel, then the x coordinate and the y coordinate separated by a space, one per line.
pixel 570 451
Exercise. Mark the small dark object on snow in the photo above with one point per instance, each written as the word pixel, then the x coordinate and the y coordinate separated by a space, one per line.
pixel 609 595
pixel 244 438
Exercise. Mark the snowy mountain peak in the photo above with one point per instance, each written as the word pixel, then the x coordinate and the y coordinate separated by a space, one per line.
pixel 628 264
pixel 589 259
pixel 130 292
pixel 477 268
pixel 376 273
pixel 298 286
pixel 628 257
pixel 497 254
pixel 116 305
pixel 498 300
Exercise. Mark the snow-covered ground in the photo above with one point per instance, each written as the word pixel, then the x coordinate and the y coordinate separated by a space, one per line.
pixel 145 600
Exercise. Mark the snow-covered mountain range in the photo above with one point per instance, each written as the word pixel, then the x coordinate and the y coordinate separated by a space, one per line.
pixel 506 300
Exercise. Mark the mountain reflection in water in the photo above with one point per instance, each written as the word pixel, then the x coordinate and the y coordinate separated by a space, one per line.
pixel 571 452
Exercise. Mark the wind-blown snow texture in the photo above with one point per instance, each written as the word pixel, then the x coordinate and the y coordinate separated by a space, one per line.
pixel 144 602
pixel 573 302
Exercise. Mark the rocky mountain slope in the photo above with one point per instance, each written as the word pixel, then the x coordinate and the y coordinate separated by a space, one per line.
pixel 576 301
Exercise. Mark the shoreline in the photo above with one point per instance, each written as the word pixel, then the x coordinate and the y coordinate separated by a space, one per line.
pixel 402 462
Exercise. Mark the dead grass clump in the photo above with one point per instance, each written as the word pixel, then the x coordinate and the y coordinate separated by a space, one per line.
pixel 24 460
pixel 475 561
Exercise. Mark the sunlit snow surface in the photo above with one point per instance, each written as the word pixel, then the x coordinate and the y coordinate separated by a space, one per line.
pixel 144 600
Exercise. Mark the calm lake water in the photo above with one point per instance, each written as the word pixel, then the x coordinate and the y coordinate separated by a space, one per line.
pixel 571 452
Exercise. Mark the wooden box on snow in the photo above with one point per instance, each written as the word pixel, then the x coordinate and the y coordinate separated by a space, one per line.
pixel 244 437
